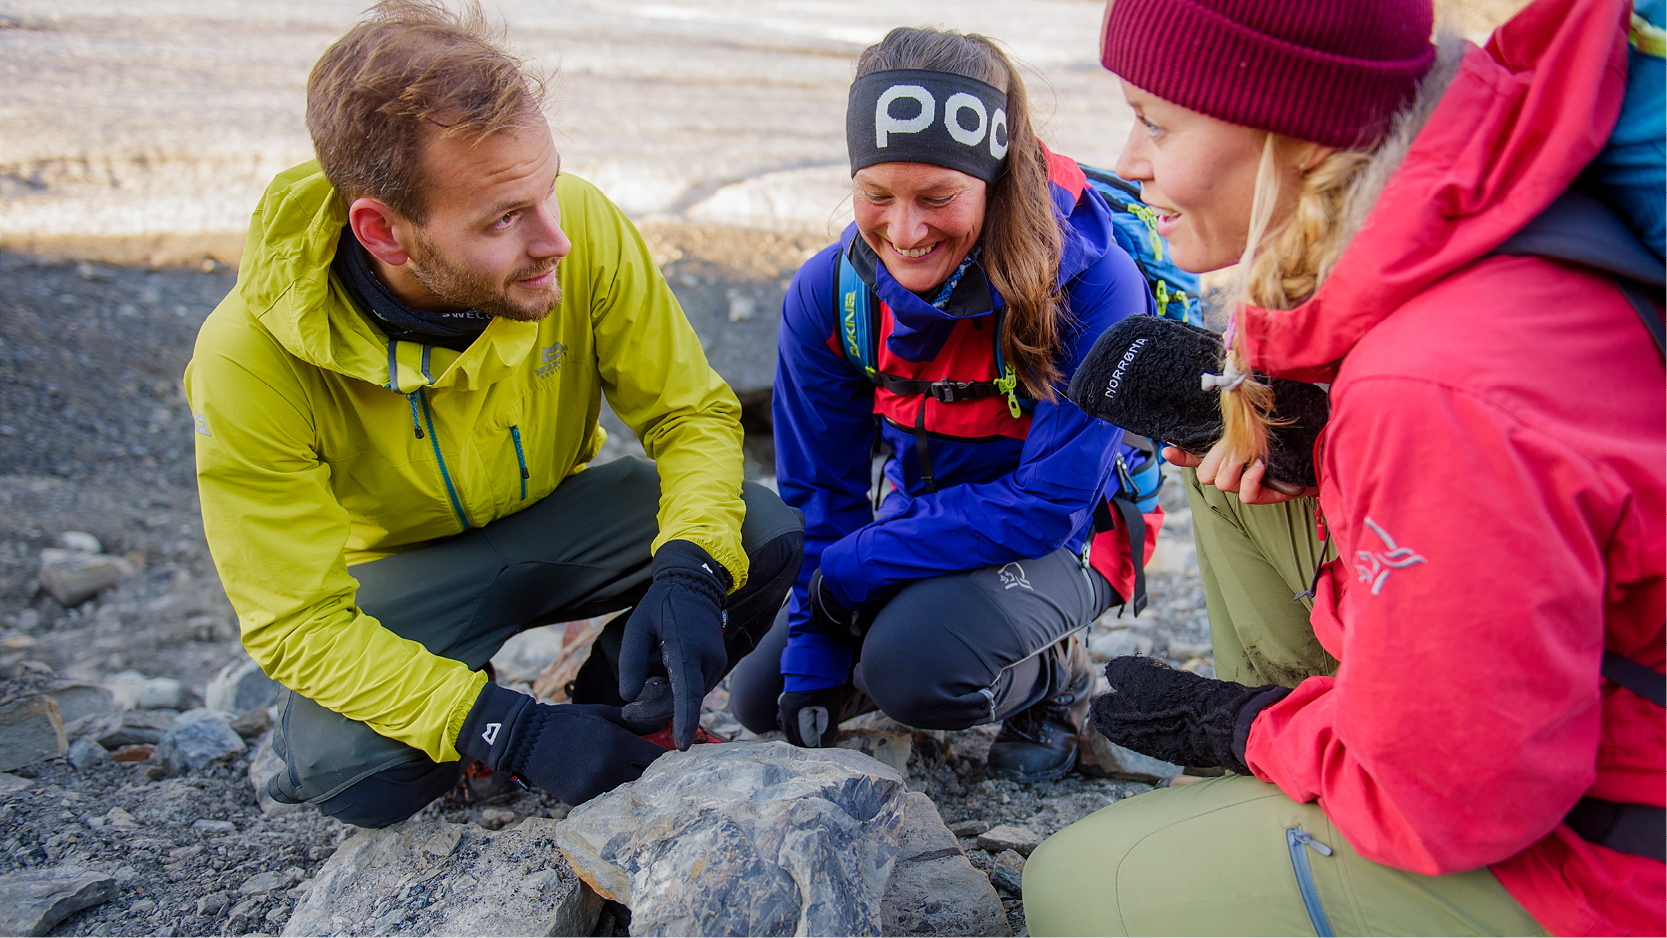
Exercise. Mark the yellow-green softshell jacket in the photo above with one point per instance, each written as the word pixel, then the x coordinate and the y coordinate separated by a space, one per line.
pixel 308 459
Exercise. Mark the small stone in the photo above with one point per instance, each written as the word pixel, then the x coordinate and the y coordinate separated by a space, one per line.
pixel 969 828
pixel 496 818
pixel 212 826
pixel 83 708
pixel 120 819
pixel 263 767
pixel 132 753
pixel 240 687
pixel 10 783
pixel 31 732
pixel 200 739
pixel 126 687
pixel 252 722
pixel 1008 837
pixel 264 884
pixel 75 576
pixel 155 773
pixel 212 903
pixel 32 901
pixel 80 540
pixel 1008 873
pixel 28 620
pixel 810 835
pixel 142 906
pixel 84 753
pixel 160 693
pixel 243 908
pixel 278 914
pixel 137 728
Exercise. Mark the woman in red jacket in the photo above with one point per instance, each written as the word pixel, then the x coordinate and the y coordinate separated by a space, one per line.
pixel 1470 747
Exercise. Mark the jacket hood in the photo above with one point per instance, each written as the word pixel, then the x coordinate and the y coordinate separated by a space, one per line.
pixel 1495 136
pixel 920 329
pixel 285 282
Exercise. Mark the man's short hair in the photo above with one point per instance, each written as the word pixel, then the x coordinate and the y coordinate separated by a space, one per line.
pixel 411 70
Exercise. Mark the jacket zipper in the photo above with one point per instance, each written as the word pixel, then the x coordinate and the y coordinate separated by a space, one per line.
pixel 420 400
pixel 1296 839
pixel 520 457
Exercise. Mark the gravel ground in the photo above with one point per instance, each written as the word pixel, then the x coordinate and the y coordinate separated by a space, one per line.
pixel 95 436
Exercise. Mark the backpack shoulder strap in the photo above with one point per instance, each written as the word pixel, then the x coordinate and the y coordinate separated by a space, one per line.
pixel 1638 678
pixel 858 313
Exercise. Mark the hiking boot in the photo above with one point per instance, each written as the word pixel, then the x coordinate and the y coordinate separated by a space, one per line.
pixel 1039 744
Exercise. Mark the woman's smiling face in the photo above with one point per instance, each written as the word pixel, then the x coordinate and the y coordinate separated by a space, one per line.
pixel 920 219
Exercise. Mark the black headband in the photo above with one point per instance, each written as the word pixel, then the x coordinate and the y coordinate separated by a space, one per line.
pixel 912 115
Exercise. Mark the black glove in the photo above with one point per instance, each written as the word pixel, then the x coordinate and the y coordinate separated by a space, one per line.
pixel 572 751
pixel 827 616
pixel 1178 716
pixel 810 718
pixel 682 613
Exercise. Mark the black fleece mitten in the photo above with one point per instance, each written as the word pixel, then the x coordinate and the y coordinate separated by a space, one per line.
pixel 1143 375
pixel 1178 716
pixel 572 751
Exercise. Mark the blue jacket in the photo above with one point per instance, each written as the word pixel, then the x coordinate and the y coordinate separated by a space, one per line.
pixel 999 498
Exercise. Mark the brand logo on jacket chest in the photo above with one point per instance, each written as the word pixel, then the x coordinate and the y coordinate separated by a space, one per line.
pixel 553 358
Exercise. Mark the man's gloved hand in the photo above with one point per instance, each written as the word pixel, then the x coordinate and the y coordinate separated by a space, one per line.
pixel 810 718
pixel 572 751
pixel 827 616
pixel 682 613
pixel 1178 716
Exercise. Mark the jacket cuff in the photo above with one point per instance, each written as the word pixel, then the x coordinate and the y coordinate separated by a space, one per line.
pixel 459 715
pixel 812 662
pixel 842 572
pixel 1247 716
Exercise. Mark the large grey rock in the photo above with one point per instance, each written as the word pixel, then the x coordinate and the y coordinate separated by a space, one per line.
pixel 137 728
pixel 75 576
pixel 200 739
pixel 30 732
pixel 933 889
pixel 745 839
pixel 32 901
pixel 426 877
pixel 1100 756
pixel 85 708
pixel 240 687
pixel 262 769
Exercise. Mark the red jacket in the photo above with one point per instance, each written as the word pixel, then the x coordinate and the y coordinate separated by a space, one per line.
pixel 1493 475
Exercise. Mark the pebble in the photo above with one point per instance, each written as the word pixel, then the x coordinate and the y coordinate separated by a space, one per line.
pixel 75 576
pixel 80 540
pixel 212 903
pixel 142 906
pixel 263 884
pixel 31 732
pixel 120 819
pixel 84 753
pixel 34 900
pixel 160 693
pixel 132 753
pixel 969 828
pixel 251 723
pixel 10 783
pixel 200 739
pixel 213 826
pixel 1007 873
pixel 1008 837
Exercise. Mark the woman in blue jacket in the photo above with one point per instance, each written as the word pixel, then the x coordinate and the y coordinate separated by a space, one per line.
pixel 944 324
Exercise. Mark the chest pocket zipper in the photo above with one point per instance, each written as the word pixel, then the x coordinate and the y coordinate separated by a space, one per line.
pixel 1297 839
pixel 521 458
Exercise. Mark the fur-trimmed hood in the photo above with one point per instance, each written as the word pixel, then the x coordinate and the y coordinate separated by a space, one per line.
pixel 1492 138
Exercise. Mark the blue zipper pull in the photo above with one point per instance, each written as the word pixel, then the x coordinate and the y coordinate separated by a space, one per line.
pixel 1300 836
pixel 416 420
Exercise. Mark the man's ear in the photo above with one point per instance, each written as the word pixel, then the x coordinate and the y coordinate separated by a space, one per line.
pixel 380 229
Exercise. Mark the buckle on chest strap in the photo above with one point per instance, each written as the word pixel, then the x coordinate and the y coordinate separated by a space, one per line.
pixel 949 392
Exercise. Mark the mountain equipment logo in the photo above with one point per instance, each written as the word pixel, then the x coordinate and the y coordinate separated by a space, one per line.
pixel 1013 575
pixel 200 421
pixel 1374 568
pixel 491 734
pixel 554 357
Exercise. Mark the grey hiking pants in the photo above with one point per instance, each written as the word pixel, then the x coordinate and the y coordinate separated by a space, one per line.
pixel 581 551
pixel 951 651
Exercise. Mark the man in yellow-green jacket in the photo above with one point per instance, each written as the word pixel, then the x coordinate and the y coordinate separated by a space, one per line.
pixel 395 408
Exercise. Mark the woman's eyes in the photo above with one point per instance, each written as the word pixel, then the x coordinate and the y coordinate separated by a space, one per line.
pixel 1151 128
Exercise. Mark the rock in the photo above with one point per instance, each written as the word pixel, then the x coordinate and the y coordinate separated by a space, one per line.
pixel 252 722
pixel 75 576
pixel 138 753
pixel 212 903
pixel 969 828
pixel 1008 837
pixel 138 728
pixel 744 839
pixel 1173 556
pixel 262 768
pixel 32 901
pixel 160 693
pixel 126 687
pixel 142 907
pixel 267 883
pixel 889 746
pixel 30 732
pixel 1119 642
pixel 82 707
pixel 120 819
pixel 212 826
pixel 81 541
pixel 1008 873
pixel 200 739
pixel 241 686
pixel 933 890
pixel 85 752
pixel 433 878
pixel 1099 756
pixel 10 783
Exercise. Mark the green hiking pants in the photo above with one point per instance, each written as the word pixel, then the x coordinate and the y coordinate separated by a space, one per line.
pixel 1227 855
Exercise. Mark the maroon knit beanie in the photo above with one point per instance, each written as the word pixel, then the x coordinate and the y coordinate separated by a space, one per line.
pixel 1331 71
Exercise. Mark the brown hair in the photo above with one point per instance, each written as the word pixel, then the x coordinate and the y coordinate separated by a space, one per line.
pixel 411 69
pixel 1021 235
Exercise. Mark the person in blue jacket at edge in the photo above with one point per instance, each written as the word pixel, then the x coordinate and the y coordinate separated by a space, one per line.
pixel 988 268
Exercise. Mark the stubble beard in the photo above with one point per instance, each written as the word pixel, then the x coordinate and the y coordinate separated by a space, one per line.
pixel 474 290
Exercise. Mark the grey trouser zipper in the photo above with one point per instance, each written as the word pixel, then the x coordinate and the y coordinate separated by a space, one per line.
pixel 1296 838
